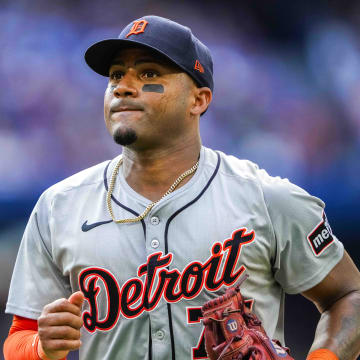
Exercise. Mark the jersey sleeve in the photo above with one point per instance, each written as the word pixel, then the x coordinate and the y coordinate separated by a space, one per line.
pixel 36 280
pixel 304 248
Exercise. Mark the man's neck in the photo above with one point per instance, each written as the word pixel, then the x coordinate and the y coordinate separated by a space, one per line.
pixel 151 173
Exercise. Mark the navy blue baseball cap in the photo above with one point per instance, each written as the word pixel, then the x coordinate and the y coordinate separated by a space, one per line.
pixel 174 41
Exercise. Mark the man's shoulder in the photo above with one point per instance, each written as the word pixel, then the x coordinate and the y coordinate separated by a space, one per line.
pixel 92 176
pixel 235 166
pixel 274 188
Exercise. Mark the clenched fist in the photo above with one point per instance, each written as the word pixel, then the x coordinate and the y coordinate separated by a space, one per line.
pixel 59 327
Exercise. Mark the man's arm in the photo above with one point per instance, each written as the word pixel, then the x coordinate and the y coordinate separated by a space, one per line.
pixel 337 298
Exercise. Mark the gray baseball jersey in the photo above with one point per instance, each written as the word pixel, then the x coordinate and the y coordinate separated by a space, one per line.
pixel 145 282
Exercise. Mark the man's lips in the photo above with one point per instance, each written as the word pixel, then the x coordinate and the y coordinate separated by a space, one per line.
pixel 125 108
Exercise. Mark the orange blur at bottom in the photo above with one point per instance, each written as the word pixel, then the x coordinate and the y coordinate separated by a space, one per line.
pixel 322 354
pixel 22 341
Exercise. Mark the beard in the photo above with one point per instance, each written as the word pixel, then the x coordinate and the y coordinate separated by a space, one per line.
pixel 125 137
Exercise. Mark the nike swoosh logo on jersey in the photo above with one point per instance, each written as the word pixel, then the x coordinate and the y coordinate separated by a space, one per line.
pixel 86 227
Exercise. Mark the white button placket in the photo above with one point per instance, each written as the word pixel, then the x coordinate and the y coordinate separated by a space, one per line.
pixel 159 315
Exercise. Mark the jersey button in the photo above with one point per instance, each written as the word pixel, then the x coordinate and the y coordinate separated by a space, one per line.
pixel 160 334
pixel 154 220
pixel 155 243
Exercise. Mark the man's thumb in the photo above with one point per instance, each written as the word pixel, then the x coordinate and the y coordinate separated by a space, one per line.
pixel 77 298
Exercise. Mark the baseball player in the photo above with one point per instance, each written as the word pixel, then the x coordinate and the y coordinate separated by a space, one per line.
pixel 118 259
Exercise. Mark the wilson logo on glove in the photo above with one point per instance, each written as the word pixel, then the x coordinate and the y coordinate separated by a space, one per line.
pixel 232 325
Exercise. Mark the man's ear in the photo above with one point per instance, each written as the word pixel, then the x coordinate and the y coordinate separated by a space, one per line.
pixel 202 99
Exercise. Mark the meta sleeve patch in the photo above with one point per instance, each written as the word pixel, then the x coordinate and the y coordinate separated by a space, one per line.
pixel 321 236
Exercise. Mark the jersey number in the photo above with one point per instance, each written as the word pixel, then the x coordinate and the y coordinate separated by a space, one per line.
pixel 194 316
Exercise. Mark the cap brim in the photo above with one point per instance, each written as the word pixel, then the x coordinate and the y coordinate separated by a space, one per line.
pixel 100 55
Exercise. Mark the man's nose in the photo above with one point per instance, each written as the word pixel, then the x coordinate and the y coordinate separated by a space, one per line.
pixel 126 87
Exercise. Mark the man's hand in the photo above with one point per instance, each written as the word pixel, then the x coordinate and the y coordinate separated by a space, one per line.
pixel 59 327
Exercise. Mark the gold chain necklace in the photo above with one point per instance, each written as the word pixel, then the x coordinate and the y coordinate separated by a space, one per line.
pixel 150 206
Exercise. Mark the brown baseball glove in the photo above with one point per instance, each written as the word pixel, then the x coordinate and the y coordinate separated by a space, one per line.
pixel 232 331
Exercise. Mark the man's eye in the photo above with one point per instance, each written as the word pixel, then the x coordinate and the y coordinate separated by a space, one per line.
pixel 116 75
pixel 149 74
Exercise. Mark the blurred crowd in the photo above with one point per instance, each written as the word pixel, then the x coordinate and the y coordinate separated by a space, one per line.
pixel 293 109
pixel 287 96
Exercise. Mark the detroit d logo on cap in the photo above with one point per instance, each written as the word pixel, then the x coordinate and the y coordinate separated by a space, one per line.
pixel 138 27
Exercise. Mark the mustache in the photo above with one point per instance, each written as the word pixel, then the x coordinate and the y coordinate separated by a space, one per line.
pixel 125 104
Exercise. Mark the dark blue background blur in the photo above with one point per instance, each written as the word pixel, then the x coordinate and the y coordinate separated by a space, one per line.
pixel 287 96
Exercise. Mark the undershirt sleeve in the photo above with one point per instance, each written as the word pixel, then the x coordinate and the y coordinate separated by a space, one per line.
pixel 22 342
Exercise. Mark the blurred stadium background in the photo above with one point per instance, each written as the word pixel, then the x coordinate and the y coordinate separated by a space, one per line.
pixel 287 96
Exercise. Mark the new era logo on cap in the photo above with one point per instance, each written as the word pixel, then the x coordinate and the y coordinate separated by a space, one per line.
pixel 137 28
pixel 198 66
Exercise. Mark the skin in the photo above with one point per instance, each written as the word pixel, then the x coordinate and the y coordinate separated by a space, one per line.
pixel 59 327
pixel 167 129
